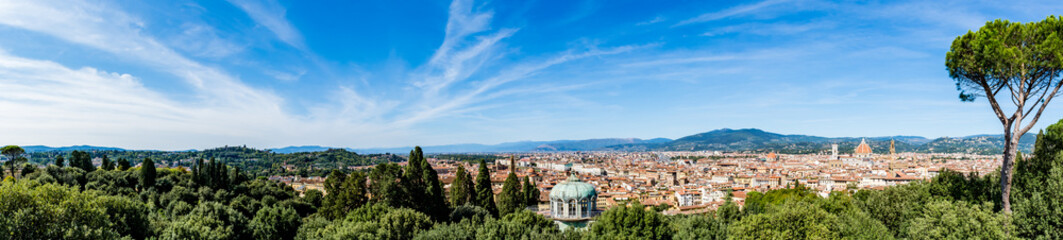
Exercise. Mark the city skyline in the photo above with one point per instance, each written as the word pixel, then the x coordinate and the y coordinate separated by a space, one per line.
pixel 200 74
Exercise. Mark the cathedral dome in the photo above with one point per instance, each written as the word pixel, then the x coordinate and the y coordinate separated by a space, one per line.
pixel 863 148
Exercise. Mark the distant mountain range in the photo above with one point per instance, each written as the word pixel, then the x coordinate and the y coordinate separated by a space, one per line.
pixel 743 140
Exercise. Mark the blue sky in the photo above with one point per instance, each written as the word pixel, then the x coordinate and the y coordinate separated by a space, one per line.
pixel 267 73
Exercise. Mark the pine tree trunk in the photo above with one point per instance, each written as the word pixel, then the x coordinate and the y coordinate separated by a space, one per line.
pixel 1010 148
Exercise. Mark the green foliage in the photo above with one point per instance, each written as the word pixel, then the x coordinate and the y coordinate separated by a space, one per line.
pixel 122 164
pixel 697 226
pixel 447 232
pixel 384 184
pixel 214 174
pixel 894 206
pixel 630 222
pixel 422 188
pixel 757 202
pixel 59 161
pixel 462 189
pixel 1026 59
pixel 971 188
pixel 1039 188
pixel 209 220
pixel 81 159
pixel 129 217
pixel 510 199
pixel 314 197
pixel 14 157
pixel 522 224
pixel 28 169
pixel 147 174
pixel 469 213
pixel 485 196
pixel 530 192
pixel 52 211
pixel 729 212
pixel 944 219
pixel 661 207
pixel 253 161
pixel 349 195
pixel 275 223
pixel 792 220
pixel 372 222
pixel 106 164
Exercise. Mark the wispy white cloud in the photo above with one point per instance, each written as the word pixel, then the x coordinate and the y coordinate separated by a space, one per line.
pixel 102 27
pixel 203 41
pixel 651 21
pixel 460 66
pixel 732 11
pixel 48 102
pixel 271 14
pixel 769 29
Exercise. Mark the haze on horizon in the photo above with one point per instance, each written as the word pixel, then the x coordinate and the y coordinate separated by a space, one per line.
pixel 199 74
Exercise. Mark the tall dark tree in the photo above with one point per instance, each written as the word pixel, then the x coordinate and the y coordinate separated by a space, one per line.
pixel 384 185
pixel 59 161
pixel 236 176
pixel 1039 187
pixel 350 194
pixel 461 190
pixel 422 186
pixel 147 174
pixel 14 156
pixel 1025 59
pixel 106 164
pixel 123 164
pixel 510 199
pixel 82 160
pixel 413 179
pixel 530 192
pixel 485 196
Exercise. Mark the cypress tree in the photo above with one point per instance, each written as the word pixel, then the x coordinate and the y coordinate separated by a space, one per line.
pixel 485 197
pixel 413 181
pixel 106 163
pixel 59 161
pixel 510 199
pixel 123 164
pixel 423 187
pixel 80 159
pixel 530 192
pixel 147 174
pixel 459 192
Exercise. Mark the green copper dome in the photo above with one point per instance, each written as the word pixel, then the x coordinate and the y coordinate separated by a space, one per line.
pixel 573 189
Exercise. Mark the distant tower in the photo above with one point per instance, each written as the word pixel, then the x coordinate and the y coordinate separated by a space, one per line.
pixel 893 150
pixel 512 164
pixel 893 156
pixel 834 151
